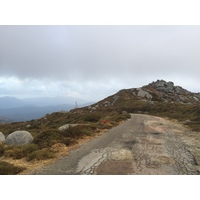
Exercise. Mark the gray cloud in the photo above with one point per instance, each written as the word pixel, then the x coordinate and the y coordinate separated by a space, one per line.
pixel 92 60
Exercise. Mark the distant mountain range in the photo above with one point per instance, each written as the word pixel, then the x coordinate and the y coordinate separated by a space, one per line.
pixel 13 109
pixel 156 97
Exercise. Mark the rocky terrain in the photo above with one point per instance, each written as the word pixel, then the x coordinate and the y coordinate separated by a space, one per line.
pixel 158 98
pixel 52 134
pixel 159 91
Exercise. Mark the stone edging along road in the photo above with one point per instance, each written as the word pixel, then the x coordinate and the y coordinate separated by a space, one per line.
pixel 142 145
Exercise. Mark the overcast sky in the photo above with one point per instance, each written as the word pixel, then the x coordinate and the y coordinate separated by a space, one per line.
pixel 93 62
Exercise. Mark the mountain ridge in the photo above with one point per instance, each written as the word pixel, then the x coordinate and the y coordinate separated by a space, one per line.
pixel 13 109
pixel 156 92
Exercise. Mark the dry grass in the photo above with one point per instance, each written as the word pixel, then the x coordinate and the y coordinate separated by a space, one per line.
pixel 47 136
pixel 9 169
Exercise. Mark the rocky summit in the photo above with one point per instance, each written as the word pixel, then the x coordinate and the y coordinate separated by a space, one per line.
pixel 167 92
pixel 139 99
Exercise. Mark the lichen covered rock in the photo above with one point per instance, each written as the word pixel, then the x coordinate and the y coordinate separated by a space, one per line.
pixel 19 138
pixel 2 137
pixel 66 126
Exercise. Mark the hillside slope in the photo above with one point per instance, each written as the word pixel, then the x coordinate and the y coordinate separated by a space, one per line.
pixel 51 136
pixel 159 98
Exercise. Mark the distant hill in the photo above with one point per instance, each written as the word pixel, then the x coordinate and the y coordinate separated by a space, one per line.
pixel 11 102
pixel 31 112
pixel 4 120
pixel 14 109
pixel 54 101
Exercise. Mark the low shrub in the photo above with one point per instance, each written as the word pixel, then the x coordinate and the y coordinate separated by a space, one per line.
pixel 92 117
pixel 68 141
pixel 48 138
pixel 42 154
pixel 9 169
pixel 1 149
pixel 76 132
pixel 18 152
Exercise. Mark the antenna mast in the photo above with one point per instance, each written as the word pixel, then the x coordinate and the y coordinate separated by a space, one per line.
pixel 76 104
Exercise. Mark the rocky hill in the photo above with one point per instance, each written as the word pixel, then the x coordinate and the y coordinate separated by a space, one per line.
pixel 159 98
pixel 60 130
pixel 167 92
pixel 156 92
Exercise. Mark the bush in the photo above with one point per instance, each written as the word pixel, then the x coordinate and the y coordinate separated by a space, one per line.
pixel 1 149
pixel 18 152
pixel 92 117
pixel 76 132
pixel 9 169
pixel 42 154
pixel 68 141
pixel 48 138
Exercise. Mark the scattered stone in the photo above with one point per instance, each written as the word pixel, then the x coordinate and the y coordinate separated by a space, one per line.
pixel 116 97
pixel 124 113
pixel 19 138
pixel 2 137
pixel 28 126
pixel 66 126
pixel 143 93
pixel 196 99
pixel 186 121
pixel 106 103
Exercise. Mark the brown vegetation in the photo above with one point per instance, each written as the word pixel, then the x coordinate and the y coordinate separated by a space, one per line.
pixel 46 135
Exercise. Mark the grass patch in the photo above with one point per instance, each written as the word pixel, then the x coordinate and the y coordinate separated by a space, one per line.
pixel 92 117
pixel 48 138
pixel 41 154
pixel 9 169
pixel 18 152
pixel 2 149
pixel 76 132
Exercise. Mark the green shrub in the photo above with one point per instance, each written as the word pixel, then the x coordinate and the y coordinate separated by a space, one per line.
pixel 68 141
pixel 92 117
pixel 76 132
pixel 1 149
pixel 42 154
pixel 18 152
pixel 48 138
pixel 9 169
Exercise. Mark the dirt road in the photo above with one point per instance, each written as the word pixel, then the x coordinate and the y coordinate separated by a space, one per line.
pixel 142 145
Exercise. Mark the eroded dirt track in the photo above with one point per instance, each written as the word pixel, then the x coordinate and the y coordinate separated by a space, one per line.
pixel 142 145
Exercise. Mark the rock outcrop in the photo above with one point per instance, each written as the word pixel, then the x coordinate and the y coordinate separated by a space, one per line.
pixel 145 94
pixel 159 91
pixel 2 137
pixel 167 92
pixel 66 126
pixel 19 138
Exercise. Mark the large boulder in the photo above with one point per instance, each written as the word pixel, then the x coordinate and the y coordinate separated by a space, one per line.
pixel 19 138
pixel 2 137
pixel 143 93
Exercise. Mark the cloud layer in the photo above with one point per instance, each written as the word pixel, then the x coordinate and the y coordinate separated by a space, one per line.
pixel 94 61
